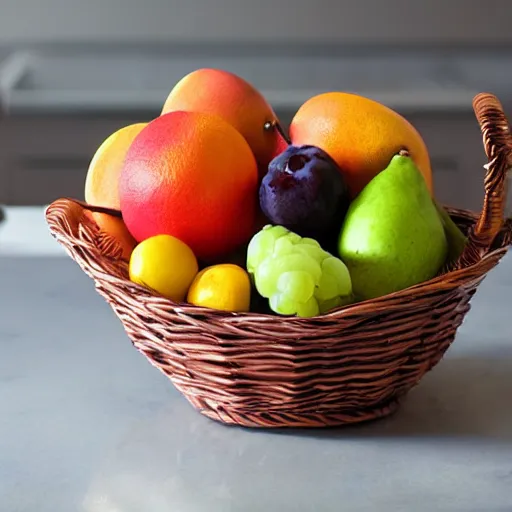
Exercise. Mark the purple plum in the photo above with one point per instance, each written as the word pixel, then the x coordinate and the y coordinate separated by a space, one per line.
pixel 305 192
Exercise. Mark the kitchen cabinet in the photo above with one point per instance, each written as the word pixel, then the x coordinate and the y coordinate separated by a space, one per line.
pixel 46 157
pixel 457 156
pixel 63 102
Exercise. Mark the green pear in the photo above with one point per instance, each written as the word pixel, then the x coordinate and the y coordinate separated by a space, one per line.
pixel 392 236
pixel 456 239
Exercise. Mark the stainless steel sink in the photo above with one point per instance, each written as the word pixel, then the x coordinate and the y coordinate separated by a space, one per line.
pixel 107 80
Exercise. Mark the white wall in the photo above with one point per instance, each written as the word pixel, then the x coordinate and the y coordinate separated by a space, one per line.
pixel 297 20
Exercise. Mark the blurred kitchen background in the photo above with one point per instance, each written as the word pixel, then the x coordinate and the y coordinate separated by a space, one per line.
pixel 72 72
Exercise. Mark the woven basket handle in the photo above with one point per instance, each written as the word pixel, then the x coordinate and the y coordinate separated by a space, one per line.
pixel 498 147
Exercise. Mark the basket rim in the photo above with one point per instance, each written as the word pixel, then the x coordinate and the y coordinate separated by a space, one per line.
pixel 445 281
pixel 434 284
pixel 479 256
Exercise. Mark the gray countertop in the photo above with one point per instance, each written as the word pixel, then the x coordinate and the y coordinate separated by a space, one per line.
pixel 87 424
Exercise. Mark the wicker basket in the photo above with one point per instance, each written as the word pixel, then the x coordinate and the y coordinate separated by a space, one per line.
pixel 351 365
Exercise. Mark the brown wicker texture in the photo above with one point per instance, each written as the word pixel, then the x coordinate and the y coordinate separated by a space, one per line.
pixel 353 364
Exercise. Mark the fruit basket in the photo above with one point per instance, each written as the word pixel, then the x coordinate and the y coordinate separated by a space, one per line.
pixel 352 364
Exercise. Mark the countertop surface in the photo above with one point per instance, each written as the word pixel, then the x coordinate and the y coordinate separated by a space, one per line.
pixel 87 424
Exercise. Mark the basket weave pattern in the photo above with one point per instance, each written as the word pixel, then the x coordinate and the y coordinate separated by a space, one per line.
pixel 353 364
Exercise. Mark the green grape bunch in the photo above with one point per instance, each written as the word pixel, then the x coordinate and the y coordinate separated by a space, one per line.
pixel 295 274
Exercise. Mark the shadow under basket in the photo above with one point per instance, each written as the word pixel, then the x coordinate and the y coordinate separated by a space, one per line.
pixel 353 364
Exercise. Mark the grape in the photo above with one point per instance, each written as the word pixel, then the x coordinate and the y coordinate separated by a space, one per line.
pixel 317 253
pixel 296 274
pixel 282 305
pixel 262 245
pixel 308 309
pixel 309 241
pixel 284 246
pixel 327 288
pixel 265 278
pixel 297 285
pixel 338 273
pixel 293 237
pixel 267 274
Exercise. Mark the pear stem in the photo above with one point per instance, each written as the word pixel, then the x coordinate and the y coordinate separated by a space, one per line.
pixel 404 152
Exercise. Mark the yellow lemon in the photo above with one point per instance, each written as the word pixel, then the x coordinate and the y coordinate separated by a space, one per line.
pixel 225 286
pixel 165 264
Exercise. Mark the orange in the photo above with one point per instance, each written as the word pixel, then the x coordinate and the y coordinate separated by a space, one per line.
pixel 360 134
pixel 226 287
pixel 101 184
pixel 239 103
pixel 116 228
pixel 193 176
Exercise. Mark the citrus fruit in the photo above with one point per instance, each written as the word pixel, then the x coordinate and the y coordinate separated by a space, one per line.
pixel 115 228
pixel 239 103
pixel 190 175
pixel 165 264
pixel 360 134
pixel 225 286
pixel 101 182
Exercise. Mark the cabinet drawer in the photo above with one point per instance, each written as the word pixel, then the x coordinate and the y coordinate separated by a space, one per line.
pixel 41 181
pixel 43 158
pixel 455 145
pixel 62 136
pixel 446 171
